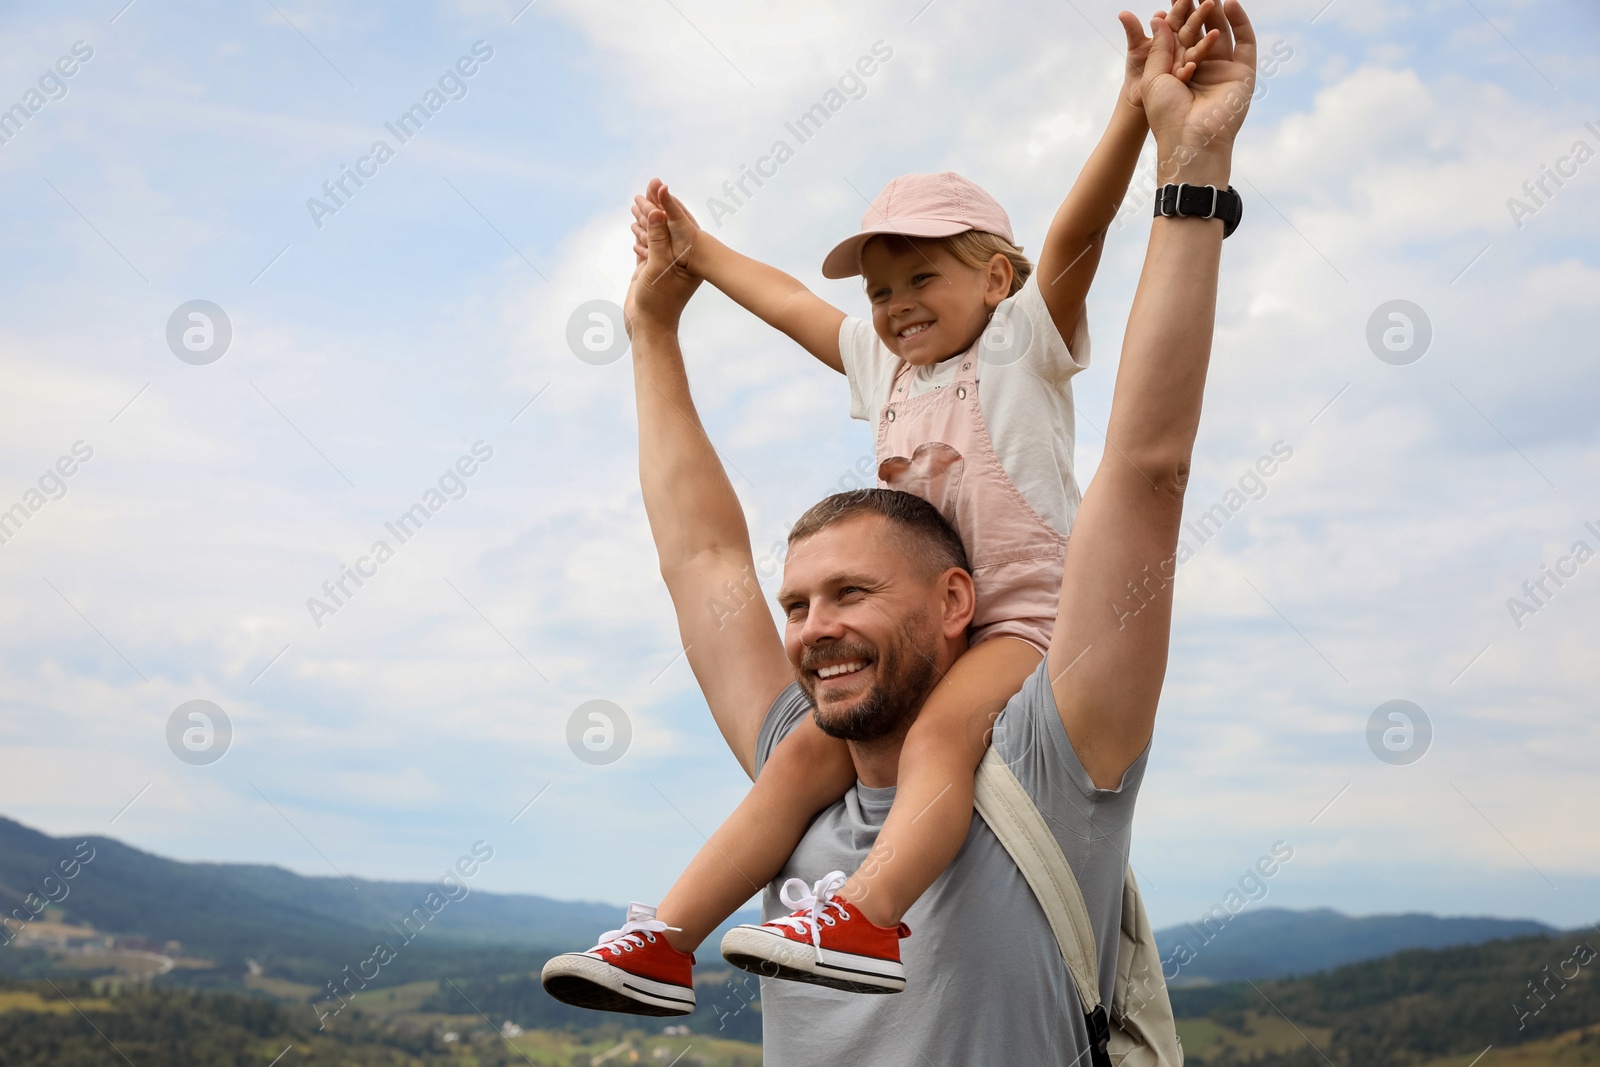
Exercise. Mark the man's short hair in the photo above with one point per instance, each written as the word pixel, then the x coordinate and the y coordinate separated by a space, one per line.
pixel 931 543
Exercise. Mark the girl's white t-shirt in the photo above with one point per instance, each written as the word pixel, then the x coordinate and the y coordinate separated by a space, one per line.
pixel 1024 393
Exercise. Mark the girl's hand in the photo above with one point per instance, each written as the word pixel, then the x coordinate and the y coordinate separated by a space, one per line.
pixel 1200 106
pixel 681 226
pixel 1194 42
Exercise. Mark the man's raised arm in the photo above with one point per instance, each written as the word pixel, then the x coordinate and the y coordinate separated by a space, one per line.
pixel 1108 654
pixel 699 529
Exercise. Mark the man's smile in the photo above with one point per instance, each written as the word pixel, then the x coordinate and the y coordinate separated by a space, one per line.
pixel 840 668
pixel 841 676
pixel 842 681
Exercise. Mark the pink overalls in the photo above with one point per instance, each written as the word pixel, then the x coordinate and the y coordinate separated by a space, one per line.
pixel 936 445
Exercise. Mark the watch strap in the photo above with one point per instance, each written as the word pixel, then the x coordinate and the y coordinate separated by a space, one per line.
pixel 1201 202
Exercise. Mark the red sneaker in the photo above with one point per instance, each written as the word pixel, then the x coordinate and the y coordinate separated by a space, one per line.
pixel 631 970
pixel 827 941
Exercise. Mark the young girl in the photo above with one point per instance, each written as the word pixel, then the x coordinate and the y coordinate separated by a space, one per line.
pixel 965 366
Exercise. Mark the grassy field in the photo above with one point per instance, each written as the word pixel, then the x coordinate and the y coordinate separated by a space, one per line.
pixel 395 1002
pixel 1567 1050
pixel 1259 1032
pixel 280 988
pixel 21 1000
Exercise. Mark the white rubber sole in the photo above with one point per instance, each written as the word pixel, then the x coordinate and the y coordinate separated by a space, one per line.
pixel 586 982
pixel 771 955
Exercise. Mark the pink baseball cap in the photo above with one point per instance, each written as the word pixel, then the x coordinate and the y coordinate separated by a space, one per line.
pixel 920 205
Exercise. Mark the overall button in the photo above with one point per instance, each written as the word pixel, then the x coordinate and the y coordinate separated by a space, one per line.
pixel 889 414
pixel 961 392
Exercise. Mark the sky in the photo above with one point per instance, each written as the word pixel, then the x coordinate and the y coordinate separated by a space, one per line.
pixel 387 338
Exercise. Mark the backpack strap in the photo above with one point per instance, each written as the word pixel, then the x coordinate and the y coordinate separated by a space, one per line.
pixel 1015 820
pixel 1138 1029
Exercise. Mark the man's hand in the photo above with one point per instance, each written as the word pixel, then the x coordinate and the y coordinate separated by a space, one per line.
pixel 702 541
pixel 681 226
pixel 1198 107
pixel 1194 40
pixel 661 286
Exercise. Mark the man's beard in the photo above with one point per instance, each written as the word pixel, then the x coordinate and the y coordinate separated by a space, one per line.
pixel 905 676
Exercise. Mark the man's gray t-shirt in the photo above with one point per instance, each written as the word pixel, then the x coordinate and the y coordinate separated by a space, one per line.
pixel 985 981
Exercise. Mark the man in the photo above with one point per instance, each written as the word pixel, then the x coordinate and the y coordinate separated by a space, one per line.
pixel 986 983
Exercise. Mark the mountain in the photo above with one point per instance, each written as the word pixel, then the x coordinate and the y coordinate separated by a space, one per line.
pixel 308 928
pixel 295 926
pixel 1278 942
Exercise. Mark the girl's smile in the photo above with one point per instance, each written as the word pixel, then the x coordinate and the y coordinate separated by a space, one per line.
pixel 927 305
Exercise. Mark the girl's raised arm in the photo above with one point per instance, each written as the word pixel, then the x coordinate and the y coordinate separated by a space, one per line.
pixel 776 298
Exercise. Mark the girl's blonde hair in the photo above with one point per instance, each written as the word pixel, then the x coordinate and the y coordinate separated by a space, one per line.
pixel 975 248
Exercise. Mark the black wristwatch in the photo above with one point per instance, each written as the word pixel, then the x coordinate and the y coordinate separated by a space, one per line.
pixel 1201 202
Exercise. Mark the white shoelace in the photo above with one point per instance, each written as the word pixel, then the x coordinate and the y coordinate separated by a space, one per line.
pixel 641 926
pixel 818 898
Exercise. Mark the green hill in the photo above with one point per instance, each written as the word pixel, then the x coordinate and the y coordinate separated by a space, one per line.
pixel 1537 994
